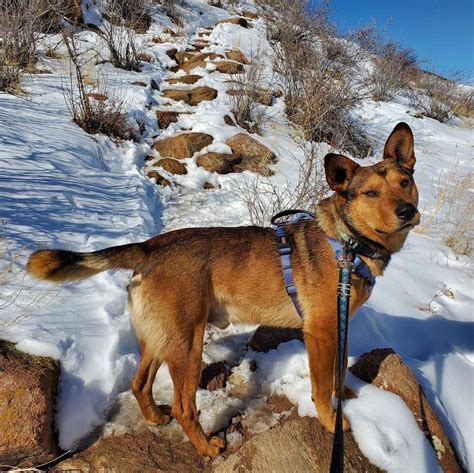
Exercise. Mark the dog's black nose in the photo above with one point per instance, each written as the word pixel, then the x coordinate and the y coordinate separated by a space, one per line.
pixel 405 211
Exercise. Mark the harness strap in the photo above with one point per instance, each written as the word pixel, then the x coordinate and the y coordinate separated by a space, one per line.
pixel 284 249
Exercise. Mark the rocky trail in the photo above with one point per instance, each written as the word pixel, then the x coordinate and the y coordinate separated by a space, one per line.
pixel 84 193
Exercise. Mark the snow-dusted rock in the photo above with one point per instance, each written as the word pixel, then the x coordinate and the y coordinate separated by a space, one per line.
pixel 191 96
pixel 182 146
pixel 217 162
pixel 385 369
pixel 172 166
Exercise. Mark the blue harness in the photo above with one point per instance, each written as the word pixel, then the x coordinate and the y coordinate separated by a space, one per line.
pixel 285 249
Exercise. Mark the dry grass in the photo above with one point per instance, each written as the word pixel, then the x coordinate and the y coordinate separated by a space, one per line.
pixel 93 107
pixel 451 216
pixel 316 73
pixel 247 94
pixel 263 198
pixel 440 98
pixel 393 68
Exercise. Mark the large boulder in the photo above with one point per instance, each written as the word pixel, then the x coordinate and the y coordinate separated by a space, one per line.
pixel 166 117
pixel 182 146
pixel 28 386
pixel 385 369
pixel 200 60
pixel 255 156
pixel 191 96
pixel 299 444
pixel 135 453
pixel 229 67
pixel 172 166
pixel 217 162
pixel 189 79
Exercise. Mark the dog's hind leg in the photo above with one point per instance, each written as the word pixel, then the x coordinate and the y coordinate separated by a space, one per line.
pixel 142 387
pixel 185 370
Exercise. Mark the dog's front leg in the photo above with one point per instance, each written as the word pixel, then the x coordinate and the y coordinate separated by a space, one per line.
pixel 321 347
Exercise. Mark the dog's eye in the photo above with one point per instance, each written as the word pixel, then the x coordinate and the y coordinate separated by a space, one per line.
pixel 404 182
pixel 371 193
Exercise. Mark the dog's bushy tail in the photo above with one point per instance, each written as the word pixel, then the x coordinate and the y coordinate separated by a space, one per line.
pixel 62 265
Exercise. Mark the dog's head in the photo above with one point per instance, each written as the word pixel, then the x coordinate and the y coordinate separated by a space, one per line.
pixel 380 201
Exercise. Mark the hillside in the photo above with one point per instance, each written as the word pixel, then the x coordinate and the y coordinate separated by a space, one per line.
pixel 62 187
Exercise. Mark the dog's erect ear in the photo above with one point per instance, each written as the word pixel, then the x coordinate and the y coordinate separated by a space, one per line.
pixel 339 171
pixel 400 146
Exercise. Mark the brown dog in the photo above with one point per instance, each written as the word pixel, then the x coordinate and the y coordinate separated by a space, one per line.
pixel 184 279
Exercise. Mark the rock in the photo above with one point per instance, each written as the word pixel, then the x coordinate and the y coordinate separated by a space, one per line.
pixel 139 83
pixel 229 67
pixel 203 34
pixel 171 53
pixel 160 180
pixel 385 369
pixel 228 120
pixel 199 60
pixel 217 162
pixel 261 96
pixel 135 453
pixel 184 56
pixel 169 31
pixel 237 55
pixel 200 44
pixel 172 166
pixel 299 444
pixel 28 386
pixel 250 14
pixel 154 85
pixel 268 338
pixel 166 117
pixel 214 377
pixel 255 156
pixel 209 186
pixel 182 146
pixel 191 96
pixel 150 157
pixel 235 21
pixel 189 79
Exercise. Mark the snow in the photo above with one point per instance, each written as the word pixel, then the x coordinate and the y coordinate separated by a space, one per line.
pixel 62 188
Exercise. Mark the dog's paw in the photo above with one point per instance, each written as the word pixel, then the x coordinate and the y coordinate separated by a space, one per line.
pixel 157 416
pixel 214 447
pixel 330 423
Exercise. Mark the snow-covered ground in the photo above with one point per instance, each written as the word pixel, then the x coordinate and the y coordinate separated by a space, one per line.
pixel 60 187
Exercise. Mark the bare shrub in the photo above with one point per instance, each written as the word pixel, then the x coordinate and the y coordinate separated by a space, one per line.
pixel 122 19
pixel 94 108
pixel 247 96
pixel 133 14
pixel 440 98
pixel 392 69
pixel 263 197
pixel 317 75
pixel 451 216
pixel 22 22
pixel 172 10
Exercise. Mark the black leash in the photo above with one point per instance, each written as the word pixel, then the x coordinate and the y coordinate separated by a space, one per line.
pixel 345 262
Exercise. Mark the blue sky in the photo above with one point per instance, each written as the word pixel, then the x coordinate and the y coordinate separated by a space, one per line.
pixel 439 31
